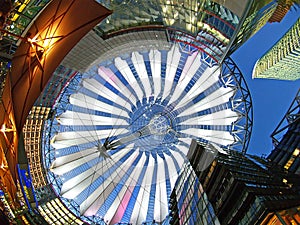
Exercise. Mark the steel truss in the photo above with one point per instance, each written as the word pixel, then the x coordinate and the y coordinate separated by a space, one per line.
pixel 292 116
pixel 241 102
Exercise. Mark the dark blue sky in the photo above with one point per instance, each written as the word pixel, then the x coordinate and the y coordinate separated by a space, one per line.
pixel 271 98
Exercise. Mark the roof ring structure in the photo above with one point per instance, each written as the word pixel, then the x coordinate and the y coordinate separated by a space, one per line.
pixel 125 131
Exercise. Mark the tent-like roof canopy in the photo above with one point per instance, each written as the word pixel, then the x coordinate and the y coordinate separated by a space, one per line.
pixel 125 132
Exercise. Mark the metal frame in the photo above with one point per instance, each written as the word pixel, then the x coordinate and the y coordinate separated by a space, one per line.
pixel 292 116
pixel 242 103
pixel 230 76
pixel 48 151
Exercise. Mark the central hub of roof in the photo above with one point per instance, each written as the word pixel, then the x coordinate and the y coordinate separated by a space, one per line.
pixel 154 121
pixel 159 125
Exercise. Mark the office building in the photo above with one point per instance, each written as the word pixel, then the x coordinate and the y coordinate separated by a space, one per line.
pixel 227 187
pixel 189 203
pixel 283 7
pixel 282 60
pixel 247 189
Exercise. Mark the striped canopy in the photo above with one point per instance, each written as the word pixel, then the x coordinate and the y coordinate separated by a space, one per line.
pixel 125 135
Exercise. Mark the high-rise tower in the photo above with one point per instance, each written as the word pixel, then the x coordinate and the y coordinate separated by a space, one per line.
pixel 282 60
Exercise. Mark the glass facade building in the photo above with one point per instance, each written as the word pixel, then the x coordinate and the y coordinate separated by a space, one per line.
pixel 282 60
pixel 189 203
pixel 258 13
pixel 246 189
pixel 236 189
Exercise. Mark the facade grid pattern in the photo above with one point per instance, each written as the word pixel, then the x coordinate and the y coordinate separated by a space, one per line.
pixel 254 21
pixel 32 139
pixel 56 213
pixel 245 189
pixel 282 60
pixel 192 202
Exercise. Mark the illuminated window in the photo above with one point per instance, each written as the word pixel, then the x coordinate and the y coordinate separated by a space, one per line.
pixel 292 159
pixel 296 152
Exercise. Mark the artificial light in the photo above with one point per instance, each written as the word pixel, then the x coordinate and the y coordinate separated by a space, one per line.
pixel 296 152
pixel 284 180
pixel 4 129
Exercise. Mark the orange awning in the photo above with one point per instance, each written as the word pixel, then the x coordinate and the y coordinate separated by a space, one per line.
pixel 52 35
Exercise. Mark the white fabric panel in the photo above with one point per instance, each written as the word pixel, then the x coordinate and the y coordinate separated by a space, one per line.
pixel 224 117
pixel 192 65
pixel 95 200
pixel 209 76
pixel 124 167
pixel 73 135
pixel 149 173
pixel 72 183
pixel 194 131
pixel 61 160
pixel 161 177
pixel 127 74
pixel 65 143
pixel 73 192
pixel 138 62
pixel 157 201
pixel 164 208
pixel 76 118
pixel 101 90
pixel 98 88
pixel 155 62
pixel 219 137
pixel 218 97
pixel 215 136
pixel 121 173
pixel 223 138
pixel 110 77
pixel 173 58
pixel 141 207
pixel 87 207
pixel 116 204
pixel 68 139
pixel 135 176
pixel 91 103
pixel 61 169
pixel 172 169
pixel 140 212
pixel 160 200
